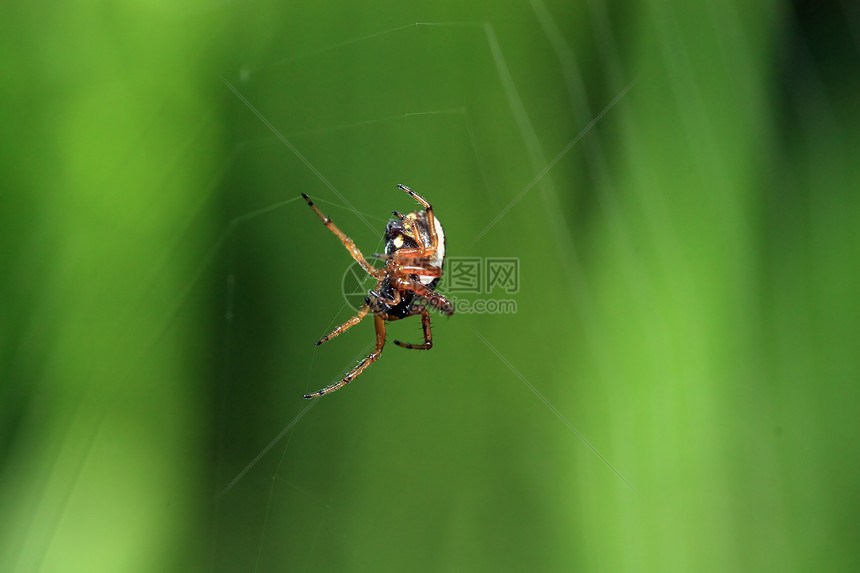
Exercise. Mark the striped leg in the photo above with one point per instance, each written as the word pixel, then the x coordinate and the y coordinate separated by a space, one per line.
pixel 347 242
pixel 425 324
pixel 362 312
pixel 371 358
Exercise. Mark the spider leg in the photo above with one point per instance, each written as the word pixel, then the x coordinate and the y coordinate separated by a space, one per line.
pixel 417 197
pixel 371 358
pixel 393 301
pixel 435 299
pixel 362 312
pixel 425 324
pixel 347 242
pixel 430 219
pixel 421 271
pixel 407 268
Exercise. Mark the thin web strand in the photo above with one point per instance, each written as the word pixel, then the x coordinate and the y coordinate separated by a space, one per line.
pixel 295 151
pixel 278 438
pixel 366 122
pixel 338 45
pixel 553 409
pixel 265 450
pixel 555 160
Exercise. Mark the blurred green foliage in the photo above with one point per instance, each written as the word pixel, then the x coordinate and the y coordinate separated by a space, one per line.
pixel 687 292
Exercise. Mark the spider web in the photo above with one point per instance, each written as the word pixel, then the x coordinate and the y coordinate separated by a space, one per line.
pixel 674 184
pixel 435 142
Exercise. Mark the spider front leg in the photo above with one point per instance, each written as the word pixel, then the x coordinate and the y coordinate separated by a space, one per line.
pixel 405 270
pixel 423 250
pixel 425 324
pixel 362 312
pixel 424 203
pixel 347 242
pixel 436 300
pixel 371 358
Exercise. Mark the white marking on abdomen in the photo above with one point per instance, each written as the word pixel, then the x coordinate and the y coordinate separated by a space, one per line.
pixel 438 257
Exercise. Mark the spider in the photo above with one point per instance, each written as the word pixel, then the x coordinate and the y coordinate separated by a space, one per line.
pixel 414 256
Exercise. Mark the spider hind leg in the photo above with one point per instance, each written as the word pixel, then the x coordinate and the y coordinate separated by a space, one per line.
pixel 362 312
pixel 425 324
pixel 362 366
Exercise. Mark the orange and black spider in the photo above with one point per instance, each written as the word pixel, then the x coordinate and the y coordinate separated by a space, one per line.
pixel 414 256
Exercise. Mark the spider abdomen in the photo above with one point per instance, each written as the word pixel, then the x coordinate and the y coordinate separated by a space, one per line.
pixel 412 232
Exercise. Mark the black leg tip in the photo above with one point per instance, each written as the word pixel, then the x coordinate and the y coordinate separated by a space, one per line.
pixel 318 342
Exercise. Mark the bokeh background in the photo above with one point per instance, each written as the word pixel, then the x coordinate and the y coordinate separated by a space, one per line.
pixel 687 297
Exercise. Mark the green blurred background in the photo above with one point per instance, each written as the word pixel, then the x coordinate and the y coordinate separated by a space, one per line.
pixel 687 297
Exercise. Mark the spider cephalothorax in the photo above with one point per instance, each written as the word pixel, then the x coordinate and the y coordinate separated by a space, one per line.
pixel 414 257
